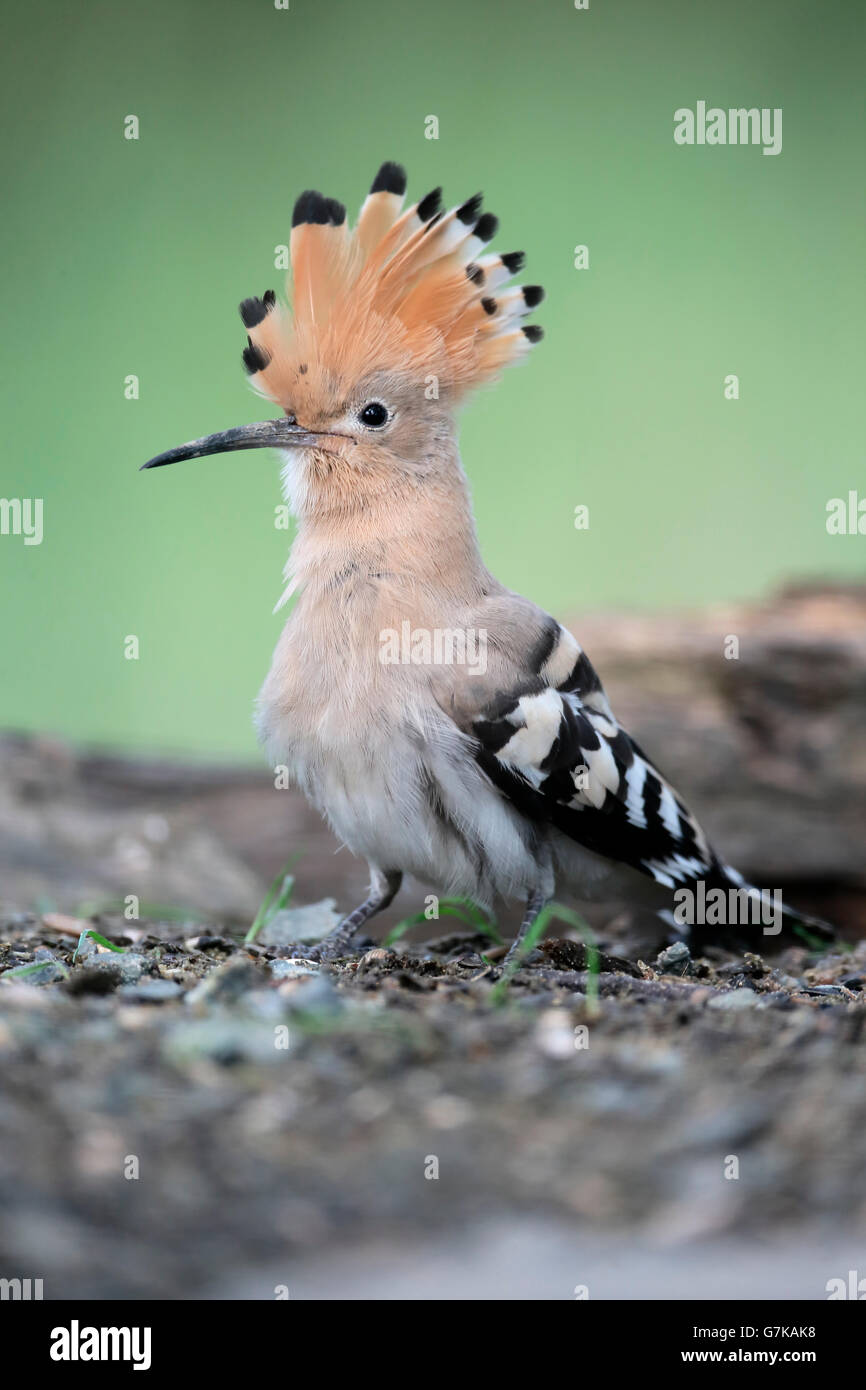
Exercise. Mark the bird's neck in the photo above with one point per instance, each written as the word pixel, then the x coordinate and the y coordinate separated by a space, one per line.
pixel 411 531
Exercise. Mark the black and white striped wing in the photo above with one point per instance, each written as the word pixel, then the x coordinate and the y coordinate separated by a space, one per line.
pixel 555 749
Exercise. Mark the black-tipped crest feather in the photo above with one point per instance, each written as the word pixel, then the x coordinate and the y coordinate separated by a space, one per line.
pixel 429 205
pixel 391 178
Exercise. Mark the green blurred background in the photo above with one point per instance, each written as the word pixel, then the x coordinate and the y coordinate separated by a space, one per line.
pixel 130 257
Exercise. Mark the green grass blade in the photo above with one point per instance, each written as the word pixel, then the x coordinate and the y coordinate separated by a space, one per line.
pixel 100 941
pixel 276 898
pixel 20 972
pixel 461 908
pixel 554 912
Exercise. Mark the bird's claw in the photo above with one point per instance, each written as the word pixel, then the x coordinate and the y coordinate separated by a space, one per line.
pixel 324 953
pixel 297 951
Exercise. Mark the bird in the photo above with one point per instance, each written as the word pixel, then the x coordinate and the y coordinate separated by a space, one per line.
pixel 445 726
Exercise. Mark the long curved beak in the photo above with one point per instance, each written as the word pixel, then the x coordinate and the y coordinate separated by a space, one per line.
pixel 266 434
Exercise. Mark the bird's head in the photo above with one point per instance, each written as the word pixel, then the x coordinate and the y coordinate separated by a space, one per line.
pixel 390 324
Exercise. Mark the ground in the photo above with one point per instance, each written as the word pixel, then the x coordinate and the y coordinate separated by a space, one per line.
pixel 193 1117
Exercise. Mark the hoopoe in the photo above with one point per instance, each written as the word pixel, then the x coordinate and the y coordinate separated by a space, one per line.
pixel 492 780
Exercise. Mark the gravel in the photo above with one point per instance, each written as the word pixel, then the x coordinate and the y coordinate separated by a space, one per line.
pixel 280 1114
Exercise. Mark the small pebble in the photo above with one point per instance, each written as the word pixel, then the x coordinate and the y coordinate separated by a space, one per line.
pixel 377 957
pixel 674 959
pixel 735 999
pixel 227 982
pixel 152 991
pixel 125 966
pixel 554 1034
pixel 311 996
pixel 208 943
pixel 50 969
pixel 305 924
pixel 292 969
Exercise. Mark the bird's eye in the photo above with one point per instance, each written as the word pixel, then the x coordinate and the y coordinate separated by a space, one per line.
pixel 374 415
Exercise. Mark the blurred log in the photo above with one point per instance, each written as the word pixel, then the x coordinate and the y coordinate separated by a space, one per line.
pixel 766 743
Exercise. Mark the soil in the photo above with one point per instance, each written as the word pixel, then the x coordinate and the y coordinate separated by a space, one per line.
pixel 193 1117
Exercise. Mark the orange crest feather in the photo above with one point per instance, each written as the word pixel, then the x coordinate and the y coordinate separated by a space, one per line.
pixel 401 290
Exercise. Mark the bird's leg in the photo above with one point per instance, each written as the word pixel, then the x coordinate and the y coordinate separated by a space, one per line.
pixel 540 895
pixel 384 886
pixel 535 903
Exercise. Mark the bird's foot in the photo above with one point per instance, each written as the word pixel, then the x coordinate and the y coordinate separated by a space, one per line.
pixel 338 944
pixel 298 951
pixel 341 941
pixel 512 960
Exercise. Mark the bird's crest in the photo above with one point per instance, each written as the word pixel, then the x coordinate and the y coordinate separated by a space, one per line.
pixel 414 290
